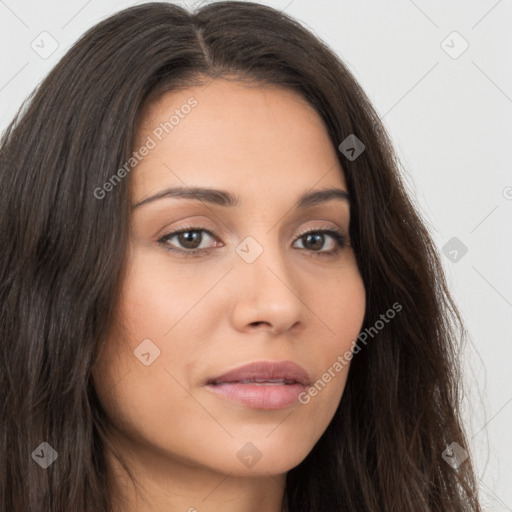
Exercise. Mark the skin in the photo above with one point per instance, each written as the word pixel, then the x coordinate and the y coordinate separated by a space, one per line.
pixel 212 312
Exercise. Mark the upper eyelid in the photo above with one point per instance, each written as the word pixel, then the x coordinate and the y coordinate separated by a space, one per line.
pixel 211 232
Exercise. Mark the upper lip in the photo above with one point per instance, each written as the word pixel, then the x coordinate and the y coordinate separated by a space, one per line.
pixel 265 370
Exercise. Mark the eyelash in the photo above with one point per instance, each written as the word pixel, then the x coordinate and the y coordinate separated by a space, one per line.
pixel 338 236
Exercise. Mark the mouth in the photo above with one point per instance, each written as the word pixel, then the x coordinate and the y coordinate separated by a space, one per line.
pixel 258 381
pixel 262 384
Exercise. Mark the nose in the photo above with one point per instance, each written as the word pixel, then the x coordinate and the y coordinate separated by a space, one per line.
pixel 266 294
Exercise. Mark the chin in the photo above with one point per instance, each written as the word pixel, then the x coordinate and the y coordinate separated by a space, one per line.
pixel 263 458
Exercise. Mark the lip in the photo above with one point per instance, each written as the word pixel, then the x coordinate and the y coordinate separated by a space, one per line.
pixel 276 384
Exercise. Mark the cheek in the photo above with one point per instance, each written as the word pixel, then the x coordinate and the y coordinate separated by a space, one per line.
pixel 346 301
pixel 148 308
pixel 339 305
pixel 140 377
pixel 157 297
pixel 340 308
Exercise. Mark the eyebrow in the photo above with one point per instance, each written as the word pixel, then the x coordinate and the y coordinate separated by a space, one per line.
pixel 227 199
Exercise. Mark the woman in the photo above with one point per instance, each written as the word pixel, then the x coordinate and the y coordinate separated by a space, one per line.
pixel 215 292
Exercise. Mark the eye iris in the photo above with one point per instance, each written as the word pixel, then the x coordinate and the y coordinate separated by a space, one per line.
pixel 318 241
pixel 190 239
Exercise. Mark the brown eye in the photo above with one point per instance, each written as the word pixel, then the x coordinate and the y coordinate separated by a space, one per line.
pixel 314 240
pixel 187 240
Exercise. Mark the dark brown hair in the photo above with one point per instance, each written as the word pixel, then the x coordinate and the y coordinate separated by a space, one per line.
pixel 63 256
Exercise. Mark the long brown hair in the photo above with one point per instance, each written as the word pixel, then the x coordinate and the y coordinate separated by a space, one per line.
pixel 63 256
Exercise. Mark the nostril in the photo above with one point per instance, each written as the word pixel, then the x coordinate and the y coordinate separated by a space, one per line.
pixel 259 323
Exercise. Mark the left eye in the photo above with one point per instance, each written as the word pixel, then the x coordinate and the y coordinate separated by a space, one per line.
pixel 190 239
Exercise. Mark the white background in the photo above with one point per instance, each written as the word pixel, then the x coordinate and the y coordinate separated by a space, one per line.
pixel 451 122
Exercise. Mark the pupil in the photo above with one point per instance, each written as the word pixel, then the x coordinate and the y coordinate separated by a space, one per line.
pixel 318 238
pixel 190 239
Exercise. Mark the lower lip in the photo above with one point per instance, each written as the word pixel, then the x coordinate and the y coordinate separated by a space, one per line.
pixel 259 396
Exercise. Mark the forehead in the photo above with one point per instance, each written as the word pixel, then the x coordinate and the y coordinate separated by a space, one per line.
pixel 227 134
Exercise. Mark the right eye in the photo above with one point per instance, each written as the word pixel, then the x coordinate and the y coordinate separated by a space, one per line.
pixel 189 238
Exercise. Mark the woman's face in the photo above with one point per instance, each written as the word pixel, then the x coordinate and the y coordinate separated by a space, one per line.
pixel 254 290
